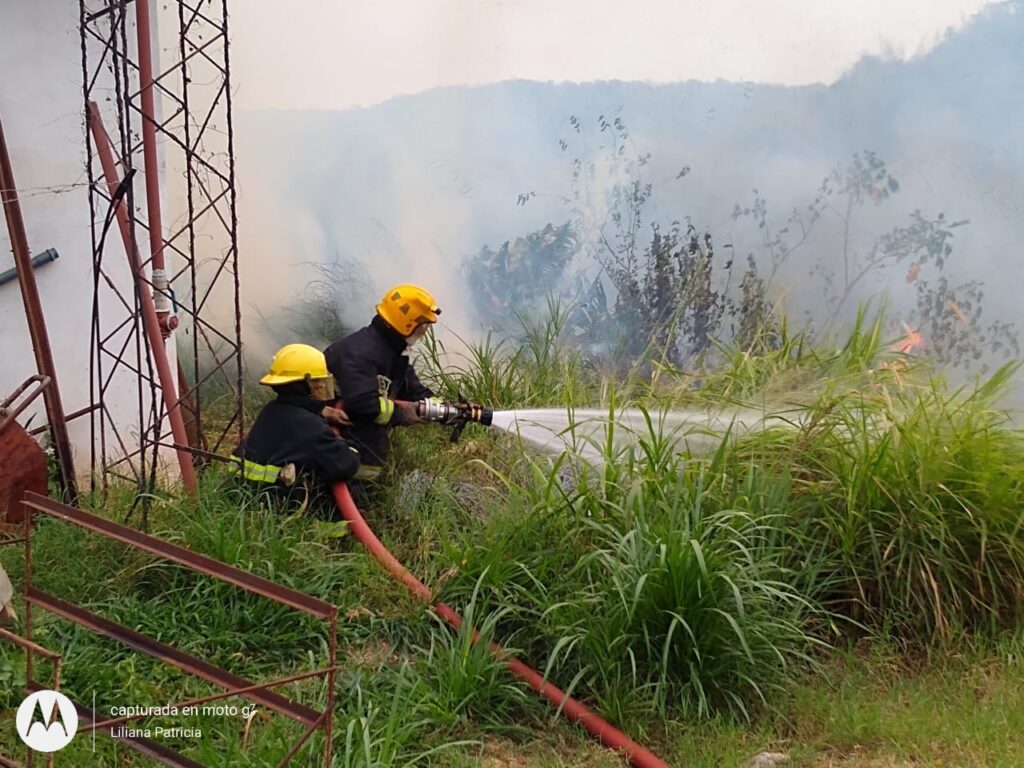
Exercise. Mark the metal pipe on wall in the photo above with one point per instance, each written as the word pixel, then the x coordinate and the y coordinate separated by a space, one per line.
pixel 168 322
pixel 36 324
pixel 50 254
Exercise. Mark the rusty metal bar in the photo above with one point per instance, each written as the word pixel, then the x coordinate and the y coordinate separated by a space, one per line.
pixel 155 750
pixel 9 416
pixel 332 661
pixel 304 738
pixel 36 322
pixel 207 456
pixel 168 654
pixel 68 418
pixel 44 380
pixel 182 556
pixel 29 645
pixel 27 624
pixel 100 14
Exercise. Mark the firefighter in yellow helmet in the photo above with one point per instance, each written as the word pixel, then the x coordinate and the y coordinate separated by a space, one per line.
pixel 291 450
pixel 376 381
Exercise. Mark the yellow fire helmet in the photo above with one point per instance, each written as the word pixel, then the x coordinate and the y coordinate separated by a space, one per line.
pixel 405 307
pixel 296 362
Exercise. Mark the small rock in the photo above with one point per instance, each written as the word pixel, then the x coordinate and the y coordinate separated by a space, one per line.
pixel 767 760
pixel 568 478
pixel 472 498
pixel 412 489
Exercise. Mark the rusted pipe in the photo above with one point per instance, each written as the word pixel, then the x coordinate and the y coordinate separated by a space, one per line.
pixel 9 414
pixel 36 324
pixel 168 322
pixel 150 320
pixel 21 642
pixel 598 727
pixel 68 417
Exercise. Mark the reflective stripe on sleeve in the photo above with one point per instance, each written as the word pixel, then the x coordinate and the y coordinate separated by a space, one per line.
pixel 387 410
pixel 367 472
pixel 259 473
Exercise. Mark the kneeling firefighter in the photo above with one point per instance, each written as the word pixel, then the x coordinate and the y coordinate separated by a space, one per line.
pixel 291 450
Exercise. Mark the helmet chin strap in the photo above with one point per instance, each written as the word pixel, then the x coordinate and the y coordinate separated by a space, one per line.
pixel 414 338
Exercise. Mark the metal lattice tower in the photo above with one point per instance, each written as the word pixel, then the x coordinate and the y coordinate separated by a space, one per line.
pixel 198 239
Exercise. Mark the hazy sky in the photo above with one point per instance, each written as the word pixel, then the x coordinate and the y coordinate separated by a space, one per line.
pixel 335 54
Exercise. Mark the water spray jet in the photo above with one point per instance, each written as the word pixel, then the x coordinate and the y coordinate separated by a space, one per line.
pixel 584 431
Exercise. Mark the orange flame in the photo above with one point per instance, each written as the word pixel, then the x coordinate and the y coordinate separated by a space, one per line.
pixel 910 343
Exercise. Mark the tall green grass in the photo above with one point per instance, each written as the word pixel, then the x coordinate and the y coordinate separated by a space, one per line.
pixel 910 504
pixel 537 367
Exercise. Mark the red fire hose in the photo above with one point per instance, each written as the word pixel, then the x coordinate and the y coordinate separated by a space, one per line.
pixel 601 729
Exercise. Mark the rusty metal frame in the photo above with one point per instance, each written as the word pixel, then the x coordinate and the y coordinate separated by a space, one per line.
pixel 56 659
pixel 193 82
pixel 10 414
pixel 231 684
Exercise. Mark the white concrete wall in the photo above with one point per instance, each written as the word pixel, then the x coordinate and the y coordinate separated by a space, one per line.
pixel 41 105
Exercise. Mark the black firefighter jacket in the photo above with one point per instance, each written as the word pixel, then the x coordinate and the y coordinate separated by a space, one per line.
pixel 290 430
pixel 369 364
